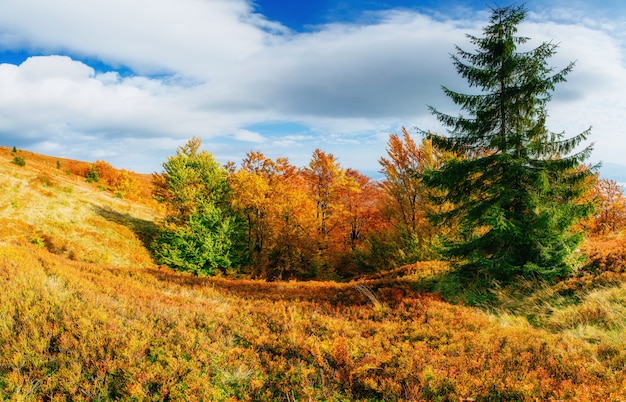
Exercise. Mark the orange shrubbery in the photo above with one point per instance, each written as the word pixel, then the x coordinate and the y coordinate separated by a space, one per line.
pixel 606 254
pixel 121 182
pixel 82 331
pixel 78 168
pixel 606 243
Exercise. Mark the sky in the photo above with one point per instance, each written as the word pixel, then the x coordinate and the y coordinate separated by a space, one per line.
pixel 129 81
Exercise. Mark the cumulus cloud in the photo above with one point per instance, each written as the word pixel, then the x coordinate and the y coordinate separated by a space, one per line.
pixel 216 68
pixel 148 36
pixel 56 90
pixel 57 105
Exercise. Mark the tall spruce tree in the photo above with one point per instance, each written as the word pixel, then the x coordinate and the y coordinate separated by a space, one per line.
pixel 516 193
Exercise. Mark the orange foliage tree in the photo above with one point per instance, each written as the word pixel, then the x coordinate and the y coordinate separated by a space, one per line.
pixel 302 223
pixel 605 245
pixel 126 185
pixel 610 213
pixel 121 182
pixel 277 222
pixel 79 168
pixel 329 187
pixel 362 215
pixel 106 173
pixel 407 204
pixel 362 221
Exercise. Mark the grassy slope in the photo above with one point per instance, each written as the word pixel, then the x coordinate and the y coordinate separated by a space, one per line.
pixel 85 314
pixel 45 204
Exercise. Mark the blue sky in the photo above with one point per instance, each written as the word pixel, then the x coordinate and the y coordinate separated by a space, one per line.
pixel 129 82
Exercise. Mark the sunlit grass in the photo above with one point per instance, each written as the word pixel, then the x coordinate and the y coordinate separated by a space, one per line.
pixel 67 213
pixel 89 331
pixel 86 315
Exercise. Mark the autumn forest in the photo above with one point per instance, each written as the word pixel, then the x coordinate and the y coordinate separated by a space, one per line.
pixel 272 220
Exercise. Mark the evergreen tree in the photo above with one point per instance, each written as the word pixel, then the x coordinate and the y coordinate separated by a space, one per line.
pixel 516 194
pixel 201 245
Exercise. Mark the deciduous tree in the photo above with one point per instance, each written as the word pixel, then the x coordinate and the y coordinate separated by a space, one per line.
pixel 197 233
pixel 278 219
pixel 407 202
pixel 610 213
pixel 362 213
pixel 328 185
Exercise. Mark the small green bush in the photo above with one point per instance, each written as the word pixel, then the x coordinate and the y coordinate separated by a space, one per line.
pixel 19 161
pixel 38 241
pixel 92 176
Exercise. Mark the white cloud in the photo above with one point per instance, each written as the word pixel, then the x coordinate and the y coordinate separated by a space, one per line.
pixel 40 69
pixel 248 136
pixel 593 94
pixel 58 91
pixel 213 68
pixel 381 71
pixel 147 35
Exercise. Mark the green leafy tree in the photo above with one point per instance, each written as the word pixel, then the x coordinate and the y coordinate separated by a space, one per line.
pixel 197 233
pixel 201 245
pixel 516 194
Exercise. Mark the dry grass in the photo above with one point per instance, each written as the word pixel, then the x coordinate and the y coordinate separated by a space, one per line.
pixel 85 315
pixel 70 217
pixel 83 331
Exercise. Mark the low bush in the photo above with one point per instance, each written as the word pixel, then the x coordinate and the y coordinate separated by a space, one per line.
pixel 19 161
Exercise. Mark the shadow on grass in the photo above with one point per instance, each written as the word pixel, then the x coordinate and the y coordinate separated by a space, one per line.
pixel 454 285
pixel 460 287
pixel 390 292
pixel 144 229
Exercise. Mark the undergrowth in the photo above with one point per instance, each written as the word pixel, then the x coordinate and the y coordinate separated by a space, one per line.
pixel 84 331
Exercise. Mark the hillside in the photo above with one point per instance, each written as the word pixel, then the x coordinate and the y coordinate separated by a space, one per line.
pixel 45 204
pixel 85 314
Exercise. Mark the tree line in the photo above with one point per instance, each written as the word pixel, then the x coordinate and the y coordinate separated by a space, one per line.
pixel 270 219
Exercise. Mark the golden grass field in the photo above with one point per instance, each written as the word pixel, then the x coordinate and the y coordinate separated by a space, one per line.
pixel 85 314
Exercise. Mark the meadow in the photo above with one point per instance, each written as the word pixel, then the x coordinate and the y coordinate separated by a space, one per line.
pixel 85 314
